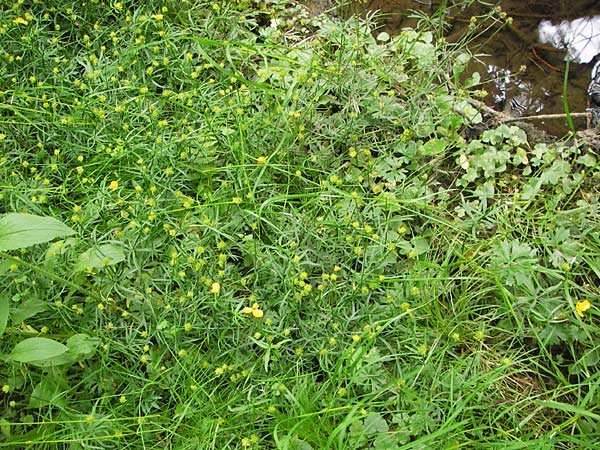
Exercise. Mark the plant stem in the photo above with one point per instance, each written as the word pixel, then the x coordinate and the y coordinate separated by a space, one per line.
pixel 51 276
pixel 564 97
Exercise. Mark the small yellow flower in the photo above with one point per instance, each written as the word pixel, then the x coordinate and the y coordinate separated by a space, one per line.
pixel 254 310
pixel 355 337
pixel 582 307
pixel 157 16
pixel 215 288
pixel 114 185
pixel 261 160
pixel 19 21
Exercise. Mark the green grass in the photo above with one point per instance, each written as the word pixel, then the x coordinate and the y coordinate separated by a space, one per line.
pixel 283 238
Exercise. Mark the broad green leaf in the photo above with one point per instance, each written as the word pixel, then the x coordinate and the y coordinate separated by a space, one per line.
pixel 383 37
pixel 82 344
pixel 27 309
pixel 47 392
pixel 434 147
pixel 80 347
pixel 375 423
pixel 420 245
pixel 5 428
pixel 60 247
pixel 36 349
pixel 4 304
pixel 58 360
pixel 100 256
pixel 19 230
pixel 5 266
pixel 587 160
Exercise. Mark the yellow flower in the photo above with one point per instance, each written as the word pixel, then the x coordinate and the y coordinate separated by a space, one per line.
pixel 261 160
pixel 215 288
pixel 157 16
pixel 19 21
pixel 254 310
pixel 113 186
pixel 582 307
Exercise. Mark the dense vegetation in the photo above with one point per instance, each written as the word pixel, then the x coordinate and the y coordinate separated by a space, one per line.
pixel 234 225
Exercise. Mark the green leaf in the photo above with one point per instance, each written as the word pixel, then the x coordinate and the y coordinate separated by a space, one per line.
pixel 100 256
pixel 82 344
pixel 375 423
pixel 80 347
pixel 434 147
pixel 36 349
pixel 27 309
pixel 420 245
pixel 587 160
pixel 47 392
pixel 4 304
pixel 18 230
pixel 4 266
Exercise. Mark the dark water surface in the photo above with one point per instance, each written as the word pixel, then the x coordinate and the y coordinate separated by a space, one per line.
pixel 503 51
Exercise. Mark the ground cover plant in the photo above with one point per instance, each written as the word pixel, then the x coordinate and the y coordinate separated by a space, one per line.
pixel 233 225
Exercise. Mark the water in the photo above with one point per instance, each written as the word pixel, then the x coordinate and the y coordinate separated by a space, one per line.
pixel 503 52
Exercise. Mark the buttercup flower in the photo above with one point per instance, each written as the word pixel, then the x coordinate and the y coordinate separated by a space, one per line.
pixel 582 307
pixel 215 288
pixel 254 310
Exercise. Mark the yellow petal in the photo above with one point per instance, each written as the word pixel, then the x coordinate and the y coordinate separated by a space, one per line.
pixel 582 306
pixel 258 313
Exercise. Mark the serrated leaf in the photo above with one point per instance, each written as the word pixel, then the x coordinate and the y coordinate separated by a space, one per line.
pixel 19 230
pixel 4 309
pixel 100 256
pixel 36 349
